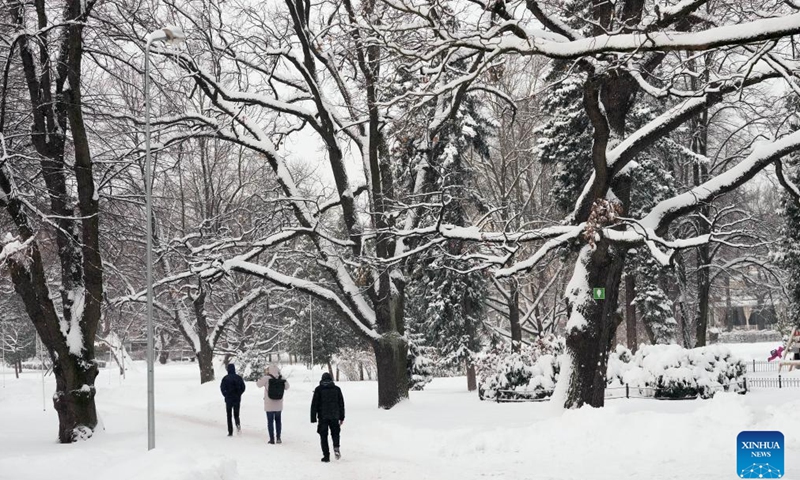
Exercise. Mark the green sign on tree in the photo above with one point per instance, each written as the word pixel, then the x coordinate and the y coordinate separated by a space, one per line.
pixel 599 293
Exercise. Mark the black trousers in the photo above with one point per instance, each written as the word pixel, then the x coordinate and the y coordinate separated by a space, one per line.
pixel 232 408
pixel 322 429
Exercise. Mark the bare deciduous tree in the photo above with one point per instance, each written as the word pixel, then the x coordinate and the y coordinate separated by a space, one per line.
pixel 48 53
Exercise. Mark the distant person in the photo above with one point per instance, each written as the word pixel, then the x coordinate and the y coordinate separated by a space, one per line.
pixel 232 387
pixel 273 399
pixel 327 406
pixel 777 353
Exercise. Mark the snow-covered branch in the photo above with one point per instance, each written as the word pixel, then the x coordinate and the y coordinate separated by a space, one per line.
pixel 230 313
pixel 762 155
pixel 548 246
pixel 365 326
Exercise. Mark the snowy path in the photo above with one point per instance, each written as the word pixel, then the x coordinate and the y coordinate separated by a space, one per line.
pixel 443 433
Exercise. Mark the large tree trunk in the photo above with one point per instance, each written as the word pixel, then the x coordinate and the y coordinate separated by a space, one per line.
pixel 729 318
pixel 703 292
pixel 472 381
pixel 391 352
pixel 703 251
pixel 651 335
pixel 205 360
pixel 513 316
pixel 75 373
pixel 630 312
pixel 163 355
pixel 593 324
pixel 205 357
pixel 684 319
pixel 700 170
pixel 74 398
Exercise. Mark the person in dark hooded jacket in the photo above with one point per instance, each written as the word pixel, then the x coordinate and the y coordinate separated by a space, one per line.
pixel 232 387
pixel 327 407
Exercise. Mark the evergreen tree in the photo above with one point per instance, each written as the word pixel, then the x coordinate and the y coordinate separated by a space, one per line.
pixel 652 302
pixel 449 311
pixel 789 251
pixel 652 182
pixel 443 304
pixel 565 139
pixel 420 365
pixel 330 335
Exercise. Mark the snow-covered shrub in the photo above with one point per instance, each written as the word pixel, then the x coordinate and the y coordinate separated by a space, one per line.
pixel 675 372
pixel 671 371
pixel 531 371
pixel 619 362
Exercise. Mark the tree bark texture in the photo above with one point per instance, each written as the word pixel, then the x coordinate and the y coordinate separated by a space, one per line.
pixel 391 351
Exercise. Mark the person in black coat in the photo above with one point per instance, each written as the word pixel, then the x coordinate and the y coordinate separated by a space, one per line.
pixel 327 406
pixel 232 387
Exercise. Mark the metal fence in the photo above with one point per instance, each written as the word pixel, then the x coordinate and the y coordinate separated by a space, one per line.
pixel 630 392
pixel 758 366
pixel 772 382
pixel 512 396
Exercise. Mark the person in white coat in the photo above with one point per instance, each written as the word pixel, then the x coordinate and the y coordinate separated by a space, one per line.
pixel 274 385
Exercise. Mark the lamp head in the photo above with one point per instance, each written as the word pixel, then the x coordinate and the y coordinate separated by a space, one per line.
pixel 169 34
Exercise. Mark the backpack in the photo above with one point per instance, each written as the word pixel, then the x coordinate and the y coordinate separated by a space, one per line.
pixel 275 388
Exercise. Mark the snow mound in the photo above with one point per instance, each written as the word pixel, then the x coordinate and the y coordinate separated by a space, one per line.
pixel 170 465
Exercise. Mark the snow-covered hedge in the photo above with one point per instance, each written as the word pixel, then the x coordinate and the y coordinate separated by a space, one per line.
pixel 532 371
pixel 744 336
pixel 675 372
pixel 671 371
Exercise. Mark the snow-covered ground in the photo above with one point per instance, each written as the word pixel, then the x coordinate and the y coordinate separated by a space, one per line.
pixel 442 433
pixel 752 351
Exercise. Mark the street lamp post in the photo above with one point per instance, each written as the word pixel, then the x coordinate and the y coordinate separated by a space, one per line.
pixel 170 35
